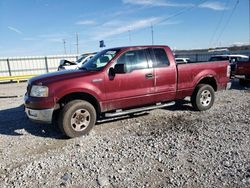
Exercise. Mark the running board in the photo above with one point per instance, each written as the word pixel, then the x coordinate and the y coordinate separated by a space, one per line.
pixel 136 110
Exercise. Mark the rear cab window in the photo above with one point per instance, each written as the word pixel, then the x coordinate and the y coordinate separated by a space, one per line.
pixel 159 57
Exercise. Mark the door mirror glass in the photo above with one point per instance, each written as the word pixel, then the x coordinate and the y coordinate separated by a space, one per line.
pixel 120 68
pixel 111 73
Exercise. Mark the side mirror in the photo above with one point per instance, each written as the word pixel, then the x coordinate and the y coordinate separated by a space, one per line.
pixel 120 68
pixel 111 73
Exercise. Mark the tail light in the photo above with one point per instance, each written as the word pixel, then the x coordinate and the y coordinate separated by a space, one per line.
pixel 228 71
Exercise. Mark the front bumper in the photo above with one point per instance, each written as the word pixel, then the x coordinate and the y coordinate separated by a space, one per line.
pixel 41 116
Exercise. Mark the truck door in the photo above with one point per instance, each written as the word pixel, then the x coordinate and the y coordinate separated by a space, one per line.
pixel 165 75
pixel 135 86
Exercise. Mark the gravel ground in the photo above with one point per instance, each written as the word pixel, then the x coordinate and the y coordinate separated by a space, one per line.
pixel 172 147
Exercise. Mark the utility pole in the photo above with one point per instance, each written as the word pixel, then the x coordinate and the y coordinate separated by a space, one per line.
pixel 77 44
pixel 64 45
pixel 152 33
pixel 70 45
pixel 249 20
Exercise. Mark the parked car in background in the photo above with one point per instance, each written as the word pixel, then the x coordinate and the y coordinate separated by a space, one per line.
pixel 233 59
pixel 242 72
pixel 69 65
pixel 180 60
pixel 121 81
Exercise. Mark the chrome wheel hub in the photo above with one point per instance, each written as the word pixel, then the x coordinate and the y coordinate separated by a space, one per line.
pixel 205 98
pixel 80 120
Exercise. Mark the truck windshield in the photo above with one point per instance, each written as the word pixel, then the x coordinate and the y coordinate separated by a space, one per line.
pixel 82 57
pixel 99 61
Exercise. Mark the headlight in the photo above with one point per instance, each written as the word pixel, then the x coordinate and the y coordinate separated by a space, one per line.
pixel 39 91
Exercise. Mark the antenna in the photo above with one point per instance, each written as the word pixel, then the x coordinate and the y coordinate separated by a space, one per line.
pixel 77 44
pixel 70 47
pixel 129 35
pixel 152 33
pixel 64 45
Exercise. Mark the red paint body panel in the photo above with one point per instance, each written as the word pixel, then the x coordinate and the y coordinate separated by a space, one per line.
pixel 128 90
pixel 131 89
pixel 189 75
pixel 39 103
pixel 63 83
pixel 166 80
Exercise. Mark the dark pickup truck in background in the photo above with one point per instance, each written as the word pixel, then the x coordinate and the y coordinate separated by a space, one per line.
pixel 242 72
pixel 121 81
pixel 233 60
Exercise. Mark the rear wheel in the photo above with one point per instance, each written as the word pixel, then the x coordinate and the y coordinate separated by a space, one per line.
pixel 243 82
pixel 77 118
pixel 203 97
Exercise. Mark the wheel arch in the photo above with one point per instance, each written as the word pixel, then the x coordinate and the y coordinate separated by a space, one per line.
pixel 209 80
pixel 81 96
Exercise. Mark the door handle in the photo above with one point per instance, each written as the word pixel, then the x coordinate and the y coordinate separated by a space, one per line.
pixel 149 76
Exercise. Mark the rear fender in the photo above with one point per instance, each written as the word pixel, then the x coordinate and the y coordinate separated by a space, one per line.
pixel 206 74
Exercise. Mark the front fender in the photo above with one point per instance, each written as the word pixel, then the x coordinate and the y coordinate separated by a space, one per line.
pixel 94 89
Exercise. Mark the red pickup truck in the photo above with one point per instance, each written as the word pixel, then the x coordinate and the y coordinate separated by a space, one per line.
pixel 121 81
pixel 242 71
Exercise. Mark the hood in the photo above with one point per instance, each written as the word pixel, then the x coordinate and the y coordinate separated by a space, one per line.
pixel 45 79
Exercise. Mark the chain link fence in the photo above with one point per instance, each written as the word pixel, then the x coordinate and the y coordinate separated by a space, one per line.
pixel 36 65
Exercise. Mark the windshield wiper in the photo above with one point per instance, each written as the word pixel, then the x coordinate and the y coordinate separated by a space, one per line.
pixel 88 70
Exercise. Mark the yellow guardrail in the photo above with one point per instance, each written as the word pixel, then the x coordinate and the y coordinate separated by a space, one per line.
pixel 16 78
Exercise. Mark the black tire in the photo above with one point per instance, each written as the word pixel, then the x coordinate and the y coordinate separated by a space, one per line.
pixel 243 82
pixel 203 97
pixel 77 118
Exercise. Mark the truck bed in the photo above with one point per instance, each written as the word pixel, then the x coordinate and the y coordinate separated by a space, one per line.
pixel 190 74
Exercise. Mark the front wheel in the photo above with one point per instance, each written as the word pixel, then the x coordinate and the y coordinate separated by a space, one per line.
pixel 77 118
pixel 203 97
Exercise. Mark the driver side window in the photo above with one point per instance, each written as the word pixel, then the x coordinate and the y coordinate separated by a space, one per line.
pixel 134 60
